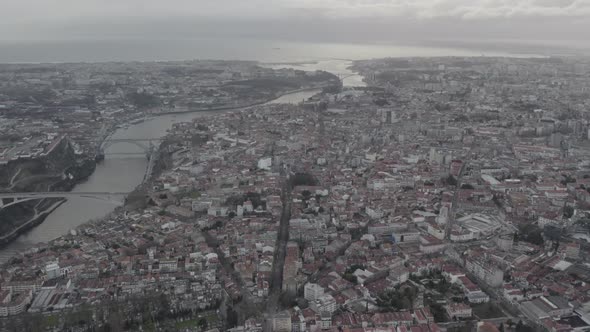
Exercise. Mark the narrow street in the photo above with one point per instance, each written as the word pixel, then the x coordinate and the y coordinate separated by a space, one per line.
pixel 247 307
pixel 276 281
pixel 453 211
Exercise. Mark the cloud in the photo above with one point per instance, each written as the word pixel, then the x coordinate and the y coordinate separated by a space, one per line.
pixel 322 20
pixel 467 9
pixel 55 10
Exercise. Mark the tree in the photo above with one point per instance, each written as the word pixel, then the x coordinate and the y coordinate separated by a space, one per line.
pixel 568 211
pixel 302 179
pixel 521 327
pixel 531 233
pixel 143 100
pixel 568 179
pixel 202 323
pixel 381 102
pixel 449 180
pixel 350 277
pixel 398 298
pixel 585 222
pixel 232 318
pixel 288 299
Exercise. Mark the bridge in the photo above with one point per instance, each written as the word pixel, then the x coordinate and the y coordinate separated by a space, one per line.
pixel 19 197
pixel 145 144
pixel 342 77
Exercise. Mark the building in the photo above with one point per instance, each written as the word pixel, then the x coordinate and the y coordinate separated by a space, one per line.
pixel 326 320
pixel 325 303
pixel 52 271
pixel 397 276
pixel 480 225
pixel 473 293
pixel 505 241
pixel 280 322
pixel 430 244
pixel 265 163
pixel 312 292
pixel 486 271
pixel 546 307
pixel 458 310
pixel 14 303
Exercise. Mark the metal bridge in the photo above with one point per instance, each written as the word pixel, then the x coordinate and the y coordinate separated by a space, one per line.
pixel 19 197
pixel 150 150
pixel 12 198
pixel 342 77
pixel 145 144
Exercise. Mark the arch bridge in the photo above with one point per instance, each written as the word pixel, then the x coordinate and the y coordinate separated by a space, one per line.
pixel 146 144
pixel 10 199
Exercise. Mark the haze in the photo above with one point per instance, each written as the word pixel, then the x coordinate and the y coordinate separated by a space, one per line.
pixel 547 21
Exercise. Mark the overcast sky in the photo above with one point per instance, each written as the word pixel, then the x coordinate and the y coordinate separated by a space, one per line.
pixel 321 19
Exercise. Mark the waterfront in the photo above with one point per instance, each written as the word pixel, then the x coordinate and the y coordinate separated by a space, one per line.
pixel 124 173
pixel 117 173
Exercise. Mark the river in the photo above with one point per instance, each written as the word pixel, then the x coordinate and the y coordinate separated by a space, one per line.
pixel 117 173
pixel 124 173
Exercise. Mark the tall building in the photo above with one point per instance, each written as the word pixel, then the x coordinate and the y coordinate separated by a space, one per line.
pixel 312 292
pixel 280 322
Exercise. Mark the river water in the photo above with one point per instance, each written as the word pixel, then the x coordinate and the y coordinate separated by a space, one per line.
pixel 123 173
pixel 117 173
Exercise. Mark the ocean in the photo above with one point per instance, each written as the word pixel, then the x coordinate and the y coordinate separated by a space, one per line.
pixel 220 49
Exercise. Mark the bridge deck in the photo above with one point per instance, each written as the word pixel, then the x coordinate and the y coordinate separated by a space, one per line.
pixel 54 194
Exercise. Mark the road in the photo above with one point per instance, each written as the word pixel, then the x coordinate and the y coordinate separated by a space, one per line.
pixel 153 157
pixel 33 219
pixel 276 282
pixel 248 306
pixel 59 194
pixel 452 213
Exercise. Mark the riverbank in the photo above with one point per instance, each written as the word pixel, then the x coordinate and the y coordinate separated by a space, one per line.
pixel 77 175
pixel 229 108
pixel 121 174
pixel 35 221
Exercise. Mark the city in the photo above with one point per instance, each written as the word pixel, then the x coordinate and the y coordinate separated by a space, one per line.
pixel 448 194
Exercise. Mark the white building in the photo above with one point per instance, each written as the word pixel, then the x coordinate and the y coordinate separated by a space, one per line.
pixel 485 271
pixel 325 303
pixel 458 310
pixel 52 271
pixel 265 163
pixel 312 292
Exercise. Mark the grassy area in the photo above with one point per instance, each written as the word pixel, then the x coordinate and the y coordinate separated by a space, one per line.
pixel 211 319
pixel 51 321
pixel 187 324
pixel 487 310
pixel 149 326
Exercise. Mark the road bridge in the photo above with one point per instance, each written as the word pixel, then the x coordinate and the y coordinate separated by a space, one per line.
pixel 145 144
pixel 9 199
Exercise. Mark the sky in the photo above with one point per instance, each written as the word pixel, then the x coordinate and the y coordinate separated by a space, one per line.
pixel 556 21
